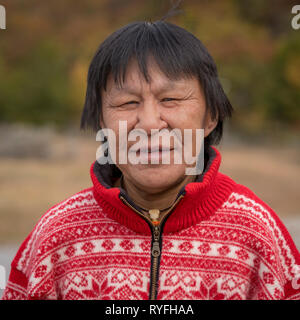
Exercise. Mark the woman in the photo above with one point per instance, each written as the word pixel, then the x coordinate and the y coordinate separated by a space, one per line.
pixel 146 229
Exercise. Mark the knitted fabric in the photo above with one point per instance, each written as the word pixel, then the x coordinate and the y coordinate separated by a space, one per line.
pixel 220 242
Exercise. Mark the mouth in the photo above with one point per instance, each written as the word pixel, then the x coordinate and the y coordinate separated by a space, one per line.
pixel 155 149
pixel 154 154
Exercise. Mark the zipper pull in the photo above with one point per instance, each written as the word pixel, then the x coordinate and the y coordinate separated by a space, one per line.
pixel 156 233
pixel 155 249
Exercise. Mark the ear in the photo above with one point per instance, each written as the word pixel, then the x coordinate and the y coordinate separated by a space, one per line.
pixel 101 121
pixel 210 124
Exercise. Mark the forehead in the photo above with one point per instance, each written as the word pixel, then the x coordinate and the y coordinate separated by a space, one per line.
pixel 156 79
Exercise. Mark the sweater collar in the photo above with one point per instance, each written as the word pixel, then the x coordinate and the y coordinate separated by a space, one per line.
pixel 200 198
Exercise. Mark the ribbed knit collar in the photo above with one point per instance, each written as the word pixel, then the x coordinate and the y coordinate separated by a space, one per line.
pixel 201 198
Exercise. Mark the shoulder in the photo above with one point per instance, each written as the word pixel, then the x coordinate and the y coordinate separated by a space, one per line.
pixel 269 236
pixel 51 228
pixel 246 202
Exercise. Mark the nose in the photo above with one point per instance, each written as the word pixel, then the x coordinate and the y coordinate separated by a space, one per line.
pixel 149 117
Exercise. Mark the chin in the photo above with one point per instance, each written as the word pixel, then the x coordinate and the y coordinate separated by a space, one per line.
pixel 157 177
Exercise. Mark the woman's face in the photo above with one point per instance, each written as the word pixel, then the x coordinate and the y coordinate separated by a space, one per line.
pixel 160 104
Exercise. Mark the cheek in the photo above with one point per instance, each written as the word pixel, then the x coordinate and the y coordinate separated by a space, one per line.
pixel 112 118
pixel 196 115
pixel 188 117
pixel 109 119
pixel 192 116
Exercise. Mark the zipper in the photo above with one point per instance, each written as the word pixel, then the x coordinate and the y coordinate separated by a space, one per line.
pixel 155 252
pixel 156 228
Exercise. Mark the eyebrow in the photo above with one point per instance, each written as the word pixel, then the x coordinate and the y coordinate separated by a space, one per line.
pixel 170 85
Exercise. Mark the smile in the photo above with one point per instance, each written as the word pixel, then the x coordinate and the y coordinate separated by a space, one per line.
pixel 155 149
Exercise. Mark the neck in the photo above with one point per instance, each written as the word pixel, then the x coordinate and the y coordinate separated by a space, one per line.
pixel 155 200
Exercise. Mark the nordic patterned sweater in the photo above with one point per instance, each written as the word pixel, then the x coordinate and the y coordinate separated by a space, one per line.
pixel 219 241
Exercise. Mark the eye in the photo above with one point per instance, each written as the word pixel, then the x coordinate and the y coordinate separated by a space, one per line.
pixel 168 99
pixel 125 104
pixel 129 102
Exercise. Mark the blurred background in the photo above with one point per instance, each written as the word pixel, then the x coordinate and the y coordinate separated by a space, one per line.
pixel 45 52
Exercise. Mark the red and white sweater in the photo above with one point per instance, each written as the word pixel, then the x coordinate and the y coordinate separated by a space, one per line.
pixel 219 242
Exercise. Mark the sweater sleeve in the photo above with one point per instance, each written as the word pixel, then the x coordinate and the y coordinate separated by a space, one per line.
pixel 292 286
pixel 292 289
pixel 289 254
pixel 278 259
pixel 27 275
pixel 288 258
pixel 288 261
pixel 16 288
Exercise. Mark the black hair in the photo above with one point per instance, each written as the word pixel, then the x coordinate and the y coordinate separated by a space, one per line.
pixel 177 52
